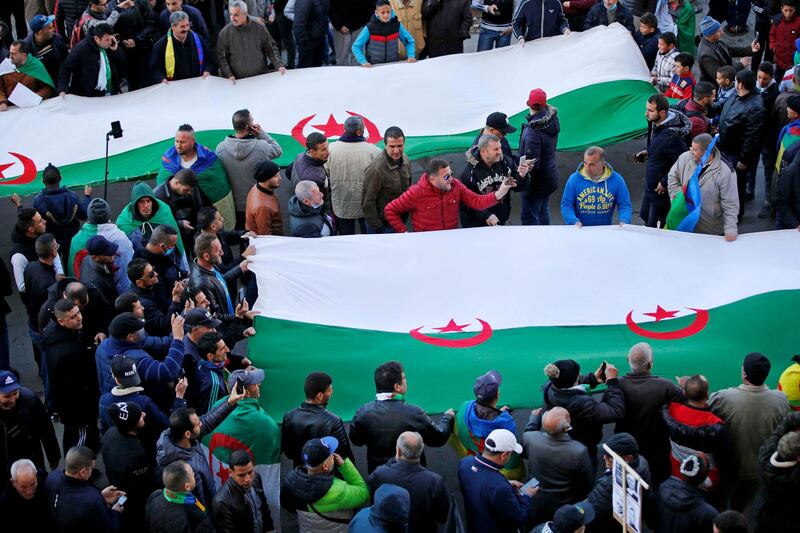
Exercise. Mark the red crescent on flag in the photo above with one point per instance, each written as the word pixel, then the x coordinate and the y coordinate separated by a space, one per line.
pixel 297 131
pixel 700 321
pixel 28 171
pixel 373 134
pixel 481 337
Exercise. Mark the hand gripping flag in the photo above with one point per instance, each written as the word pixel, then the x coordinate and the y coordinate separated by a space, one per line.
pixel 685 210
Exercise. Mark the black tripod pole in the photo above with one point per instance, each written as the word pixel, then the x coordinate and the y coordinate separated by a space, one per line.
pixel 105 188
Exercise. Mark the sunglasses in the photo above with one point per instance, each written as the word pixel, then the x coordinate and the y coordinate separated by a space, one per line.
pixel 447 177
pixel 150 275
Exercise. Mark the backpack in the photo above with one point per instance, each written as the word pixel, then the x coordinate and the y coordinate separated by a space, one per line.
pixel 77 34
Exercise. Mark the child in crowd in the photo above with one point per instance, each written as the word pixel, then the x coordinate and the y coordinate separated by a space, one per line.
pixel 647 38
pixel 378 41
pixel 682 83
pixel 664 66
pixel 783 35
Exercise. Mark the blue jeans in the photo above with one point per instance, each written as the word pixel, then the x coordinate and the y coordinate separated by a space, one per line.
pixel 535 211
pixel 488 39
pixel 385 229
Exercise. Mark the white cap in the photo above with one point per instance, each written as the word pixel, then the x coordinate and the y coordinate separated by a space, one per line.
pixel 502 440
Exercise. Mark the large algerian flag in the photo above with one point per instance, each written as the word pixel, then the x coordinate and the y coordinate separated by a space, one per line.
pixel 597 79
pixel 451 305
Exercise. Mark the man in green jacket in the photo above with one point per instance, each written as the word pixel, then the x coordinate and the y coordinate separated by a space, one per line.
pixel 323 502
pixel 144 213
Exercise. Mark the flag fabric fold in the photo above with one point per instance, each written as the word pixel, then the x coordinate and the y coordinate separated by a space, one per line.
pixel 684 212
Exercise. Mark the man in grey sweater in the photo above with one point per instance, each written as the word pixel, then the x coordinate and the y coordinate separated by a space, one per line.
pixel 240 153
pixel 245 46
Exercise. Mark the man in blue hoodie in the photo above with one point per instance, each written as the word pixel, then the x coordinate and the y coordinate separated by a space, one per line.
pixel 389 512
pixel 593 191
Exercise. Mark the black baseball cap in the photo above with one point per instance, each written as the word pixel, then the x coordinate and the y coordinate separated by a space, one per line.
pixel 316 451
pixel 201 317
pixel 499 121
pixel 124 324
pixel 569 518
pixel 124 369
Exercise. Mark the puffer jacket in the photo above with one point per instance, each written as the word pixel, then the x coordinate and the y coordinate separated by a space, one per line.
pixel 740 128
pixel 681 507
pixel 483 179
pixel 377 425
pixel 781 481
pixel 232 512
pixel 306 221
pixel 720 207
pixel 335 498
pixel 782 37
pixel 311 421
pixel 600 498
pixel 588 416
pixel 167 452
pixel 433 209
pixel 537 142
pixel 665 144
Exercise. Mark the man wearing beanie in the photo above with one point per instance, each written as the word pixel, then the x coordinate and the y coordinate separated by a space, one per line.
pixel 751 412
pixel 97 269
pixel 624 445
pixel 128 466
pixel 263 210
pixel 348 158
pixel 681 505
pixel 712 53
pixel 98 222
pixel 568 388
pixel 779 459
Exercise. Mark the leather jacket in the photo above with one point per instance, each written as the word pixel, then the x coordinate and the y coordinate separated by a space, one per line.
pixel 311 421
pixel 231 511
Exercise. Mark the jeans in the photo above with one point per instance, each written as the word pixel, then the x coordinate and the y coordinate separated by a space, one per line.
pixel 41 360
pixel 535 211
pixel 655 208
pixel 5 356
pixel 488 39
pixel 385 229
pixel 738 12
pixel 347 226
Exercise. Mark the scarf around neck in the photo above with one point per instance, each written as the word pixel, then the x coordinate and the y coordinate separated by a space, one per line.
pixel 104 73
pixel 183 498
pixel 169 54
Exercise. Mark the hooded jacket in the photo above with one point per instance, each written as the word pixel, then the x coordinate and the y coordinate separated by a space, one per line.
pixel 307 221
pixel 63 211
pixel 331 496
pixel 719 206
pixel 592 202
pixel 482 179
pixel 130 219
pixel 537 142
pixel 665 144
pixel 782 37
pixel 681 507
pixel 77 251
pixel 433 209
pixel 240 157
pixel 781 481
pixel 167 452
pixel 600 498
pixel 388 514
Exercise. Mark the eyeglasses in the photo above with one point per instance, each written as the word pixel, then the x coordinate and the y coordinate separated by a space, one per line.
pixel 447 177
pixel 149 275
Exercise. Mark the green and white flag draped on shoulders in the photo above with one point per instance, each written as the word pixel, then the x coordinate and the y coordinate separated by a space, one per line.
pixel 597 79
pixel 451 305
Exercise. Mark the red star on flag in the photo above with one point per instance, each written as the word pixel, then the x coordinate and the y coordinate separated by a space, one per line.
pixel 452 326
pixel 330 128
pixel 661 314
pixel 3 167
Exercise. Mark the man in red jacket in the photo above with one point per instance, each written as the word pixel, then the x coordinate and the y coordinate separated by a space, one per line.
pixel 435 199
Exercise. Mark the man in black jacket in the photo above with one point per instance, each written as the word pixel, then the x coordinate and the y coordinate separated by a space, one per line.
pixel 79 75
pixel 486 169
pixel 160 250
pixel 240 505
pixel 206 274
pixel 94 308
pixel 136 27
pixel 72 376
pixel 44 43
pixel 175 508
pixel 147 286
pixel 184 198
pixel 39 276
pixel 188 47
pixel 607 12
pixel 447 23
pixel 128 466
pixel 740 130
pixel 97 268
pixel 5 290
pixel 310 31
pixel 378 424
pixel 312 420
pixel 24 505
pixel 665 142
pixel 429 501
pixel 24 428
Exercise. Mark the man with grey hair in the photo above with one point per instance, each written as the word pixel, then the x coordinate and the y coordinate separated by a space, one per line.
pixel 347 160
pixel 429 501
pixel 486 169
pixel 307 215
pixel 245 47
pixel 720 207
pixel 190 54
pixel 24 505
pixel 561 464
pixel 645 396
pixel 594 191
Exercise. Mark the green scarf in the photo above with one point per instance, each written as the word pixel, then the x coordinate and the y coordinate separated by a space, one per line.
pixel 108 70
pixel 34 68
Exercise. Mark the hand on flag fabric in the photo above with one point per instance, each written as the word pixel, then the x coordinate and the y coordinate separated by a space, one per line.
pixel 366 65
pixel 492 220
pixel 730 237
pixel 15 199
pixel 282 70
pixel 578 224
pixel 522 42
pixel 412 60
pixel 232 80
pixel 206 74
pixel 243 266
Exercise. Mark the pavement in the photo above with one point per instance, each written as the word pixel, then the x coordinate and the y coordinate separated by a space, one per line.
pixel 441 460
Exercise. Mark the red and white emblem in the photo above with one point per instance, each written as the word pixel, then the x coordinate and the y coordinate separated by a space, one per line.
pixel 332 128
pixel 28 171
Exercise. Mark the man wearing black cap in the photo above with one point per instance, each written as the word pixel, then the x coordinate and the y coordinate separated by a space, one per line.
pixel 263 210
pixel 127 333
pixel 624 445
pixel 497 124
pixel 386 177
pixel 128 466
pixel 322 501
pixel 128 390
pixel 72 375
pixel 97 268
pixel 568 519
pixel 751 412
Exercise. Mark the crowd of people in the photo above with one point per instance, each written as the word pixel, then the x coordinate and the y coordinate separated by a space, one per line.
pixel 133 319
